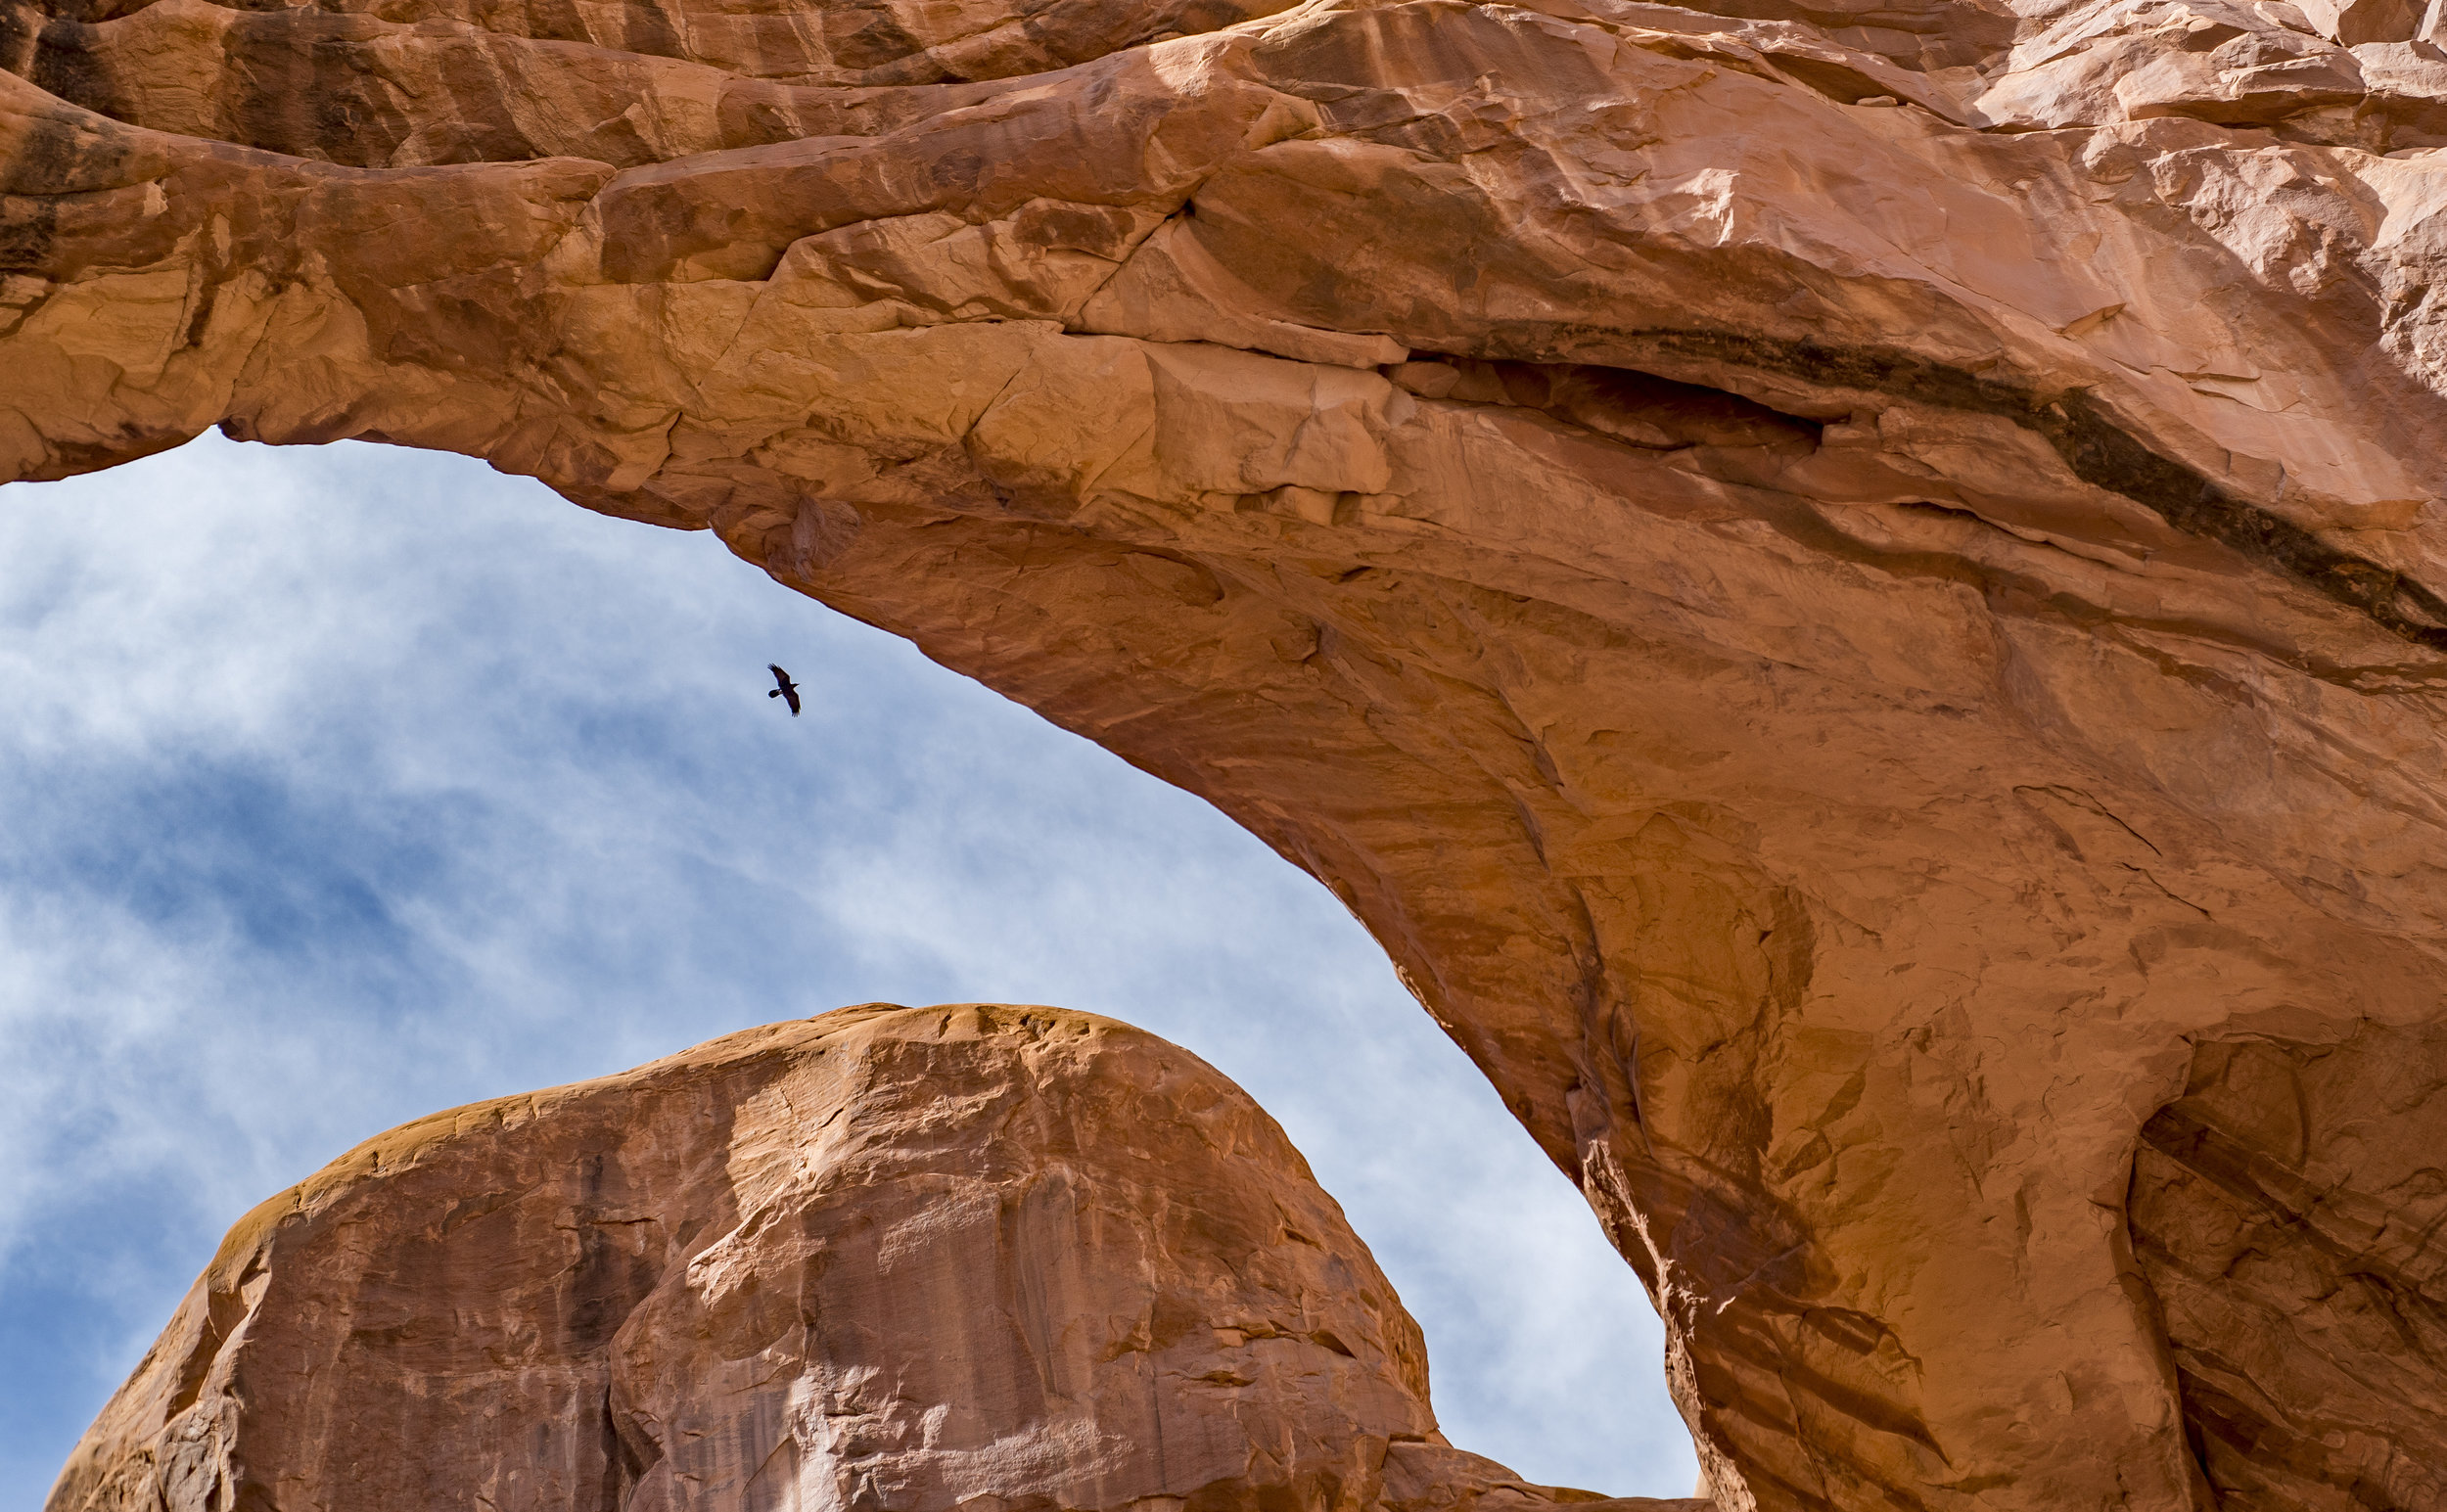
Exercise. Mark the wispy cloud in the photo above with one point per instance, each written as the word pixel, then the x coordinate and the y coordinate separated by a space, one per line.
pixel 343 785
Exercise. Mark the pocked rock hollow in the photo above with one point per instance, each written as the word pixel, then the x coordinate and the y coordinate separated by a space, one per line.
pixel 973 1257
pixel 1851 588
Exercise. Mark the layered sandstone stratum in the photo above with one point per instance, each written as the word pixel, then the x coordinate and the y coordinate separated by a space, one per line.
pixel 1854 589
pixel 973 1257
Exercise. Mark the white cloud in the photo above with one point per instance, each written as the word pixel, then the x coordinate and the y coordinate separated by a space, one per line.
pixel 343 785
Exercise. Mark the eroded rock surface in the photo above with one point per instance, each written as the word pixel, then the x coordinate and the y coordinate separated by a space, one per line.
pixel 1854 592
pixel 983 1258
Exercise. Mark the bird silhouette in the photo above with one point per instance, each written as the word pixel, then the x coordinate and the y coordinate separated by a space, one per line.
pixel 787 691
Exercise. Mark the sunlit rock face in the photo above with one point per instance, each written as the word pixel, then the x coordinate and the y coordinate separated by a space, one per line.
pixel 974 1257
pixel 1853 594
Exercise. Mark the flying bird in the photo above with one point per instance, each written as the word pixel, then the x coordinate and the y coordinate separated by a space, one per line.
pixel 785 690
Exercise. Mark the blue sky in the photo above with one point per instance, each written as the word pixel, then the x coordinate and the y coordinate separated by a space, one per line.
pixel 342 785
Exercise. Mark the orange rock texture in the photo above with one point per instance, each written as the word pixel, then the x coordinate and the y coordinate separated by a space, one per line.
pixel 983 1258
pixel 1854 592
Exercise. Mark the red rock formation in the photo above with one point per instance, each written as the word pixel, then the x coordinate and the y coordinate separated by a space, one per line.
pixel 1853 594
pixel 975 1256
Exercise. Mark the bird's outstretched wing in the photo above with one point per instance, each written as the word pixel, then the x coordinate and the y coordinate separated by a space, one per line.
pixel 783 688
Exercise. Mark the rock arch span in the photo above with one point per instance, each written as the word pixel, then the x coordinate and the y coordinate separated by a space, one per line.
pixel 1853 595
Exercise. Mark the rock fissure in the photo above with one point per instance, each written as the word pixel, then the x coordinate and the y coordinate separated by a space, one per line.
pixel 2099 453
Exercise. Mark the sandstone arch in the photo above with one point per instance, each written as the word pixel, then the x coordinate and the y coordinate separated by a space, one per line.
pixel 1863 657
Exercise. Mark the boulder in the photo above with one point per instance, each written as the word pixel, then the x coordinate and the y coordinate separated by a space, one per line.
pixel 964 1259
